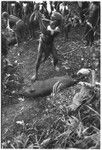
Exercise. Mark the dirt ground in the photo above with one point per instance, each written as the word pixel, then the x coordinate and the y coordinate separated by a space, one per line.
pixel 73 54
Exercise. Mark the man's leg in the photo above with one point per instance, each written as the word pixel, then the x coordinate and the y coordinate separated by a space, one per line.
pixel 38 62
pixel 86 34
pixel 55 58
pixel 46 54
pixel 91 37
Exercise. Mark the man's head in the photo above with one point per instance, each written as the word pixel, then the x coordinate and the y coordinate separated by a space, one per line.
pixel 5 15
pixel 4 19
pixel 53 24
pixel 57 18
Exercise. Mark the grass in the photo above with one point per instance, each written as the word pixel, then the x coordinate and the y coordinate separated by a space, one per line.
pixel 48 122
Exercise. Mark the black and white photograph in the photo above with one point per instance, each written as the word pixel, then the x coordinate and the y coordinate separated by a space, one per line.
pixel 50 74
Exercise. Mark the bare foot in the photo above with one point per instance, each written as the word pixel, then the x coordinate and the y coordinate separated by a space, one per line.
pixel 34 78
pixel 8 62
pixel 16 45
pixel 57 69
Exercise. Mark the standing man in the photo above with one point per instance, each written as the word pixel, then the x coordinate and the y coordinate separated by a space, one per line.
pixel 46 45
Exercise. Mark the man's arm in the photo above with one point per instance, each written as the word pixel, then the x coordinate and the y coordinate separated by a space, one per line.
pixel 53 31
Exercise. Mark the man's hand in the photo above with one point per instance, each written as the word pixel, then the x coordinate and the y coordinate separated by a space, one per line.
pixel 57 29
